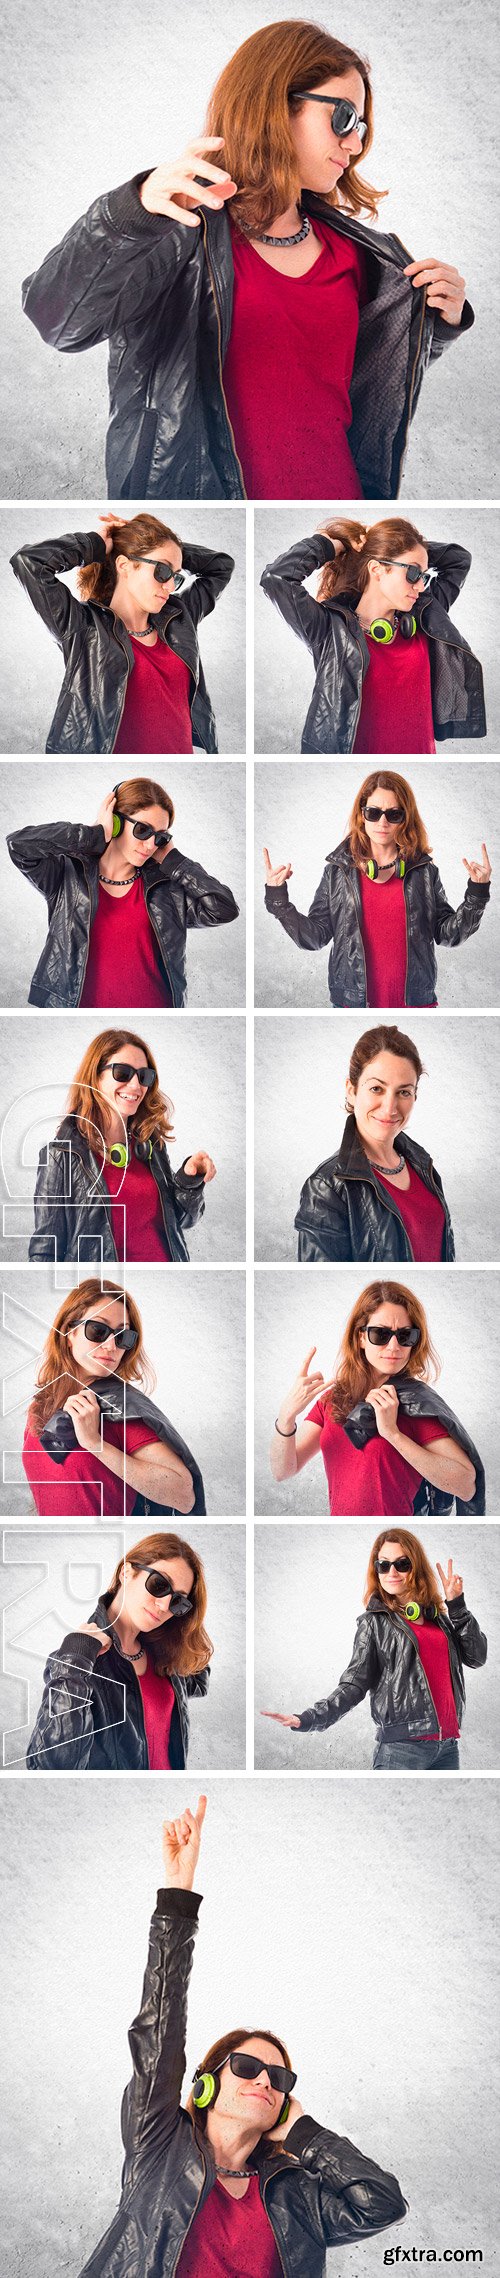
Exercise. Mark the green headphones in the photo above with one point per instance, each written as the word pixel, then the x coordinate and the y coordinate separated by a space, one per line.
pixel 383 631
pixel 372 868
pixel 413 1611
pixel 206 2089
pixel 118 1155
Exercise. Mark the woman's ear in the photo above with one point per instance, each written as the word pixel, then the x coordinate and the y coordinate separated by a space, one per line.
pixel 350 1096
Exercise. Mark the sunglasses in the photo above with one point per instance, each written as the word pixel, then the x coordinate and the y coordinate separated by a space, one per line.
pixel 392 814
pixel 159 1586
pixel 405 1337
pixel 163 570
pixel 99 1331
pixel 388 1565
pixel 414 575
pixel 122 1073
pixel 279 2076
pixel 344 116
pixel 143 831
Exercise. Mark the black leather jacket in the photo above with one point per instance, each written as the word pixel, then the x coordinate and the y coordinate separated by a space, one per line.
pixel 318 2192
pixel 163 296
pixel 97 651
pixel 332 631
pixel 386 1663
pixel 335 915
pixel 68 1224
pixel 62 861
pixel 121 1399
pixel 91 1717
pixel 346 1213
pixel 419 1399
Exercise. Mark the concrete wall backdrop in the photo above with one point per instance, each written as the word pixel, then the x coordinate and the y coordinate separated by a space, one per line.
pixel 310 1892
pixel 194 1333
pixel 294 1311
pixel 302 811
pixel 309 1587
pixel 106 96
pixel 29 697
pixel 284 668
pixel 300 1067
pixel 209 825
pixel 202 1070
pixel 50 1583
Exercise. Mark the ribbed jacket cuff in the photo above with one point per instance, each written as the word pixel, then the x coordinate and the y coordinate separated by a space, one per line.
pixel 276 895
pixel 77 1646
pixel 130 217
pixel 173 1900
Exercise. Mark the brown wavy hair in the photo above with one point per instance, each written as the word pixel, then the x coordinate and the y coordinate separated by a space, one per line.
pixel 96 582
pixel 354 1375
pixel 221 2049
pixel 382 1039
pixel 142 791
pixel 383 541
pixel 92 1112
pixel 58 1374
pixel 250 107
pixel 410 835
pixel 422 1583
pixel 183 1643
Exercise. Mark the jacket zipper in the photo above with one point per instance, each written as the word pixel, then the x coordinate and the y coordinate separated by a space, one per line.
pixel 219 335
pixel 358 914
pixel 191 2220
pixel 271 2225
pixel 426 1680
pixel 121 645
pixel 89 891
pixel 163 959
pixel 412 391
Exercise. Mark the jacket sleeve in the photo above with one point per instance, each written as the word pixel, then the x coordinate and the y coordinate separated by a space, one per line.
pixel 197 1684
pixel 38 569
pixel 352 2198
pixel 197 899
pixel 443 334
pixel 453 926
pixel 111 268
pixel 64 1730
pixel 452 564
pixel 308 932
pixel 362 1671
pixel 471 1641
pixel 212 572
pixel 283 581
pixel 158 2035
pixel 40 851
pixel 322 1222
pixel 49 1239
pixel 188 1196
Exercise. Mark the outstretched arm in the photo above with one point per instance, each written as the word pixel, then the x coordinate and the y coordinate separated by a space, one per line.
pixel 158 2035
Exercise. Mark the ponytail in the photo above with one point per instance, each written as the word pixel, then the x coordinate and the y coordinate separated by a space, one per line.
pixel 96 582
pixel 382 541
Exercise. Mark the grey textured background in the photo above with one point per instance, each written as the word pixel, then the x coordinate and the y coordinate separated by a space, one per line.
pixel 284 668
pixel 110 93
pixel 209 826
pixel 300 1067
pixel 294 1310
pixel 29 696
pixel 301 813
pixel 50 1582
pixel 202 1070
pixel 194 1333
pixel 310 1892
pixel 309 1587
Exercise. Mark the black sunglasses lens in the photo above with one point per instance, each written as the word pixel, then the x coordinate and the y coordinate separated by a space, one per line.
pixel 400 1565
pixel 123 1073
pixel 142 831
pixel 405 1337
pixel 248 2068
pixel 345 117
pixel 375 814
pixel 163 572
pixel 126 1338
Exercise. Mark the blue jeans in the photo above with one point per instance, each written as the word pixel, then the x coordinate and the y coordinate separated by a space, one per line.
pixel 416 1756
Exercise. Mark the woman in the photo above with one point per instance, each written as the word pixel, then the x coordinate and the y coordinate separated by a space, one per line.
pixel 390 1445
pixel 133 673
pixel 252 316
pixel 120 899
pixel 380 1196
pixel 105 1187
pixel 392 673
pixel 144 1648
pixel 409 1653
pixel 381 902
pixel 238 2178
pixel 90 1449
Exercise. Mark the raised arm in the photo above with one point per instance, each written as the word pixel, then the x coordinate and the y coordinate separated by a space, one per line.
pixel 212 572
pixel 64 1732
pixel 350 2197
pixel 472 1643
pixel 453 926
pixel 157 2037
pixel 39 571
pixel 452 564
pixel 290 1450
pixel 40 849
pixel 311 931
pixel 283 581
pixel 200 899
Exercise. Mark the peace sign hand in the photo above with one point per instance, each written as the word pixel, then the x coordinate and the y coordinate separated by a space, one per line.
pixel 452 1583
pixel 276 877
pixel 305 1389
pixel 479 871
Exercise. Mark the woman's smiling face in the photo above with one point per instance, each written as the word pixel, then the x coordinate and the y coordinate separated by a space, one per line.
pixel 383 1099
pixel 322 158
pixel 125 1096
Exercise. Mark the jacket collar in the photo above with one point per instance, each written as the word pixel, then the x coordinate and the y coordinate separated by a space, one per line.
pixel 342 857
pixel 354 1163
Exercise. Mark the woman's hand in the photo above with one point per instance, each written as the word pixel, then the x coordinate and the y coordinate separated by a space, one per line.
pixel 105 815
pixel 452 1583
pixel 343 536
pixel 200 1163
pixel 91 1629
pixel 173 189
pixel 293 1721
pixel 446 288
pixel 305 1390
pixel 479 871
pixel 107 523
pixel 277 2135
pixel 86 1417
pixel 181 1844
pixel 385 1402
pixel 276 877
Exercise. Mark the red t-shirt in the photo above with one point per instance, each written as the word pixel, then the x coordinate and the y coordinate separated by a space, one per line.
pixel 396 705
pixel 435 1657
pixel 123 965
pixel 383 927
pixel 231 2236
pixel 72 1490
pixel 374 1481
pixel 158 1699
pixel 288 370
pixel 156 715
pixel 422 1214
pixel 136 1213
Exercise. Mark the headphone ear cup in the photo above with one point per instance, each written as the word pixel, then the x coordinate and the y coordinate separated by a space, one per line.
pixel 372 868
pixel 205 2090
pixel 117 819
pixel 381 630
pixel 408 625
pixel 412 1610
pixel 284 2114
pixel 143 1149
